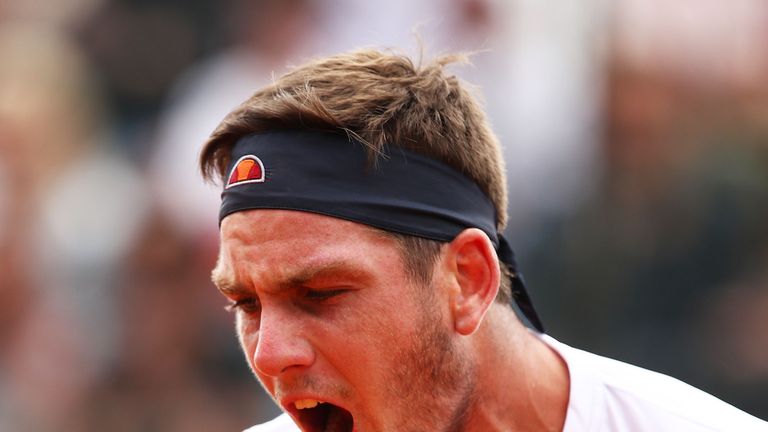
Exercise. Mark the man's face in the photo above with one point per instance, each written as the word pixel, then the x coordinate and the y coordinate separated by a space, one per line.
pixel 325 312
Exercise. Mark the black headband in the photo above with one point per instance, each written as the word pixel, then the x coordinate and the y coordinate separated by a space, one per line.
pixel 329 174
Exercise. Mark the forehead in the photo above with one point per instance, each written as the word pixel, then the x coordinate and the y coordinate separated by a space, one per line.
pixel 284 241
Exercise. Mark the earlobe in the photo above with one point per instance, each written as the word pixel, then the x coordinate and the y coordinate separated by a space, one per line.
pixel 475 268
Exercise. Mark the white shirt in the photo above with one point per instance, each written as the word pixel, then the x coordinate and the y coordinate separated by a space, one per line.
pixel 610 396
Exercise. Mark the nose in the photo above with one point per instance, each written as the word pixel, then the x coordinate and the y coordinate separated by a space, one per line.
pixel 281 344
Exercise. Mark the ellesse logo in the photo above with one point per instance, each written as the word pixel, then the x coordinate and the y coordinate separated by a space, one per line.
pixel 248 169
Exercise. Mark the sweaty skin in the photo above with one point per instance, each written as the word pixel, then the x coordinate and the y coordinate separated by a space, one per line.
pixel 325 311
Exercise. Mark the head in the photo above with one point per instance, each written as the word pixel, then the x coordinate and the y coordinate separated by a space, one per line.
pixel 376 324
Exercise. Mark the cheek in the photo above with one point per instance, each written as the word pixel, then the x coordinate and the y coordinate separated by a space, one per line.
pixel 370 340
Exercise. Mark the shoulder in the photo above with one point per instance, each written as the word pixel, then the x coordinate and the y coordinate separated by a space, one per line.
pixel 281 423
pixel 608 394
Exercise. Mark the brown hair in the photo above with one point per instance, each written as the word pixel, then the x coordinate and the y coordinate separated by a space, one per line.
pixel 381 99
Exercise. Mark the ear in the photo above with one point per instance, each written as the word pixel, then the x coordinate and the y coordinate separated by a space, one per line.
pixel 472 262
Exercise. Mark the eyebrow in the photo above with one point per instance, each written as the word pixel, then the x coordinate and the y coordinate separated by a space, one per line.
pixel 300 278
pixel 226 285
pixel 328 270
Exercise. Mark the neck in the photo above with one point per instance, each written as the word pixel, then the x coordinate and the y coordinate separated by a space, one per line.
pixel 523 384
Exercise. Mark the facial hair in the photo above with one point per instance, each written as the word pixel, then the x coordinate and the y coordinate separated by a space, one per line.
pixel 432 386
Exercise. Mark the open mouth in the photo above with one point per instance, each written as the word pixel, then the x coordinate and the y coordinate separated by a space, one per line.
pixel 317 416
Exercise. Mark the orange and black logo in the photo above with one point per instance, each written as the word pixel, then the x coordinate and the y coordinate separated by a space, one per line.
pixel 248 169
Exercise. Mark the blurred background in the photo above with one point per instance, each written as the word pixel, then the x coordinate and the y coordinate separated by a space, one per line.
pixel 636 139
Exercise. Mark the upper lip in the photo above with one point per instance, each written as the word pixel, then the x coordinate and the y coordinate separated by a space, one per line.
pixel 289 401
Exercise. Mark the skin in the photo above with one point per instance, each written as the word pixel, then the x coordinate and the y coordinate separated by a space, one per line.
pixel 325 310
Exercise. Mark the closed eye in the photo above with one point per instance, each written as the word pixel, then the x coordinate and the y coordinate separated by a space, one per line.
pixel 323 294
pixel 247 305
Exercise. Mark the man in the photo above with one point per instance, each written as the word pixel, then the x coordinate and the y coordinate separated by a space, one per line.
pixel 363 203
